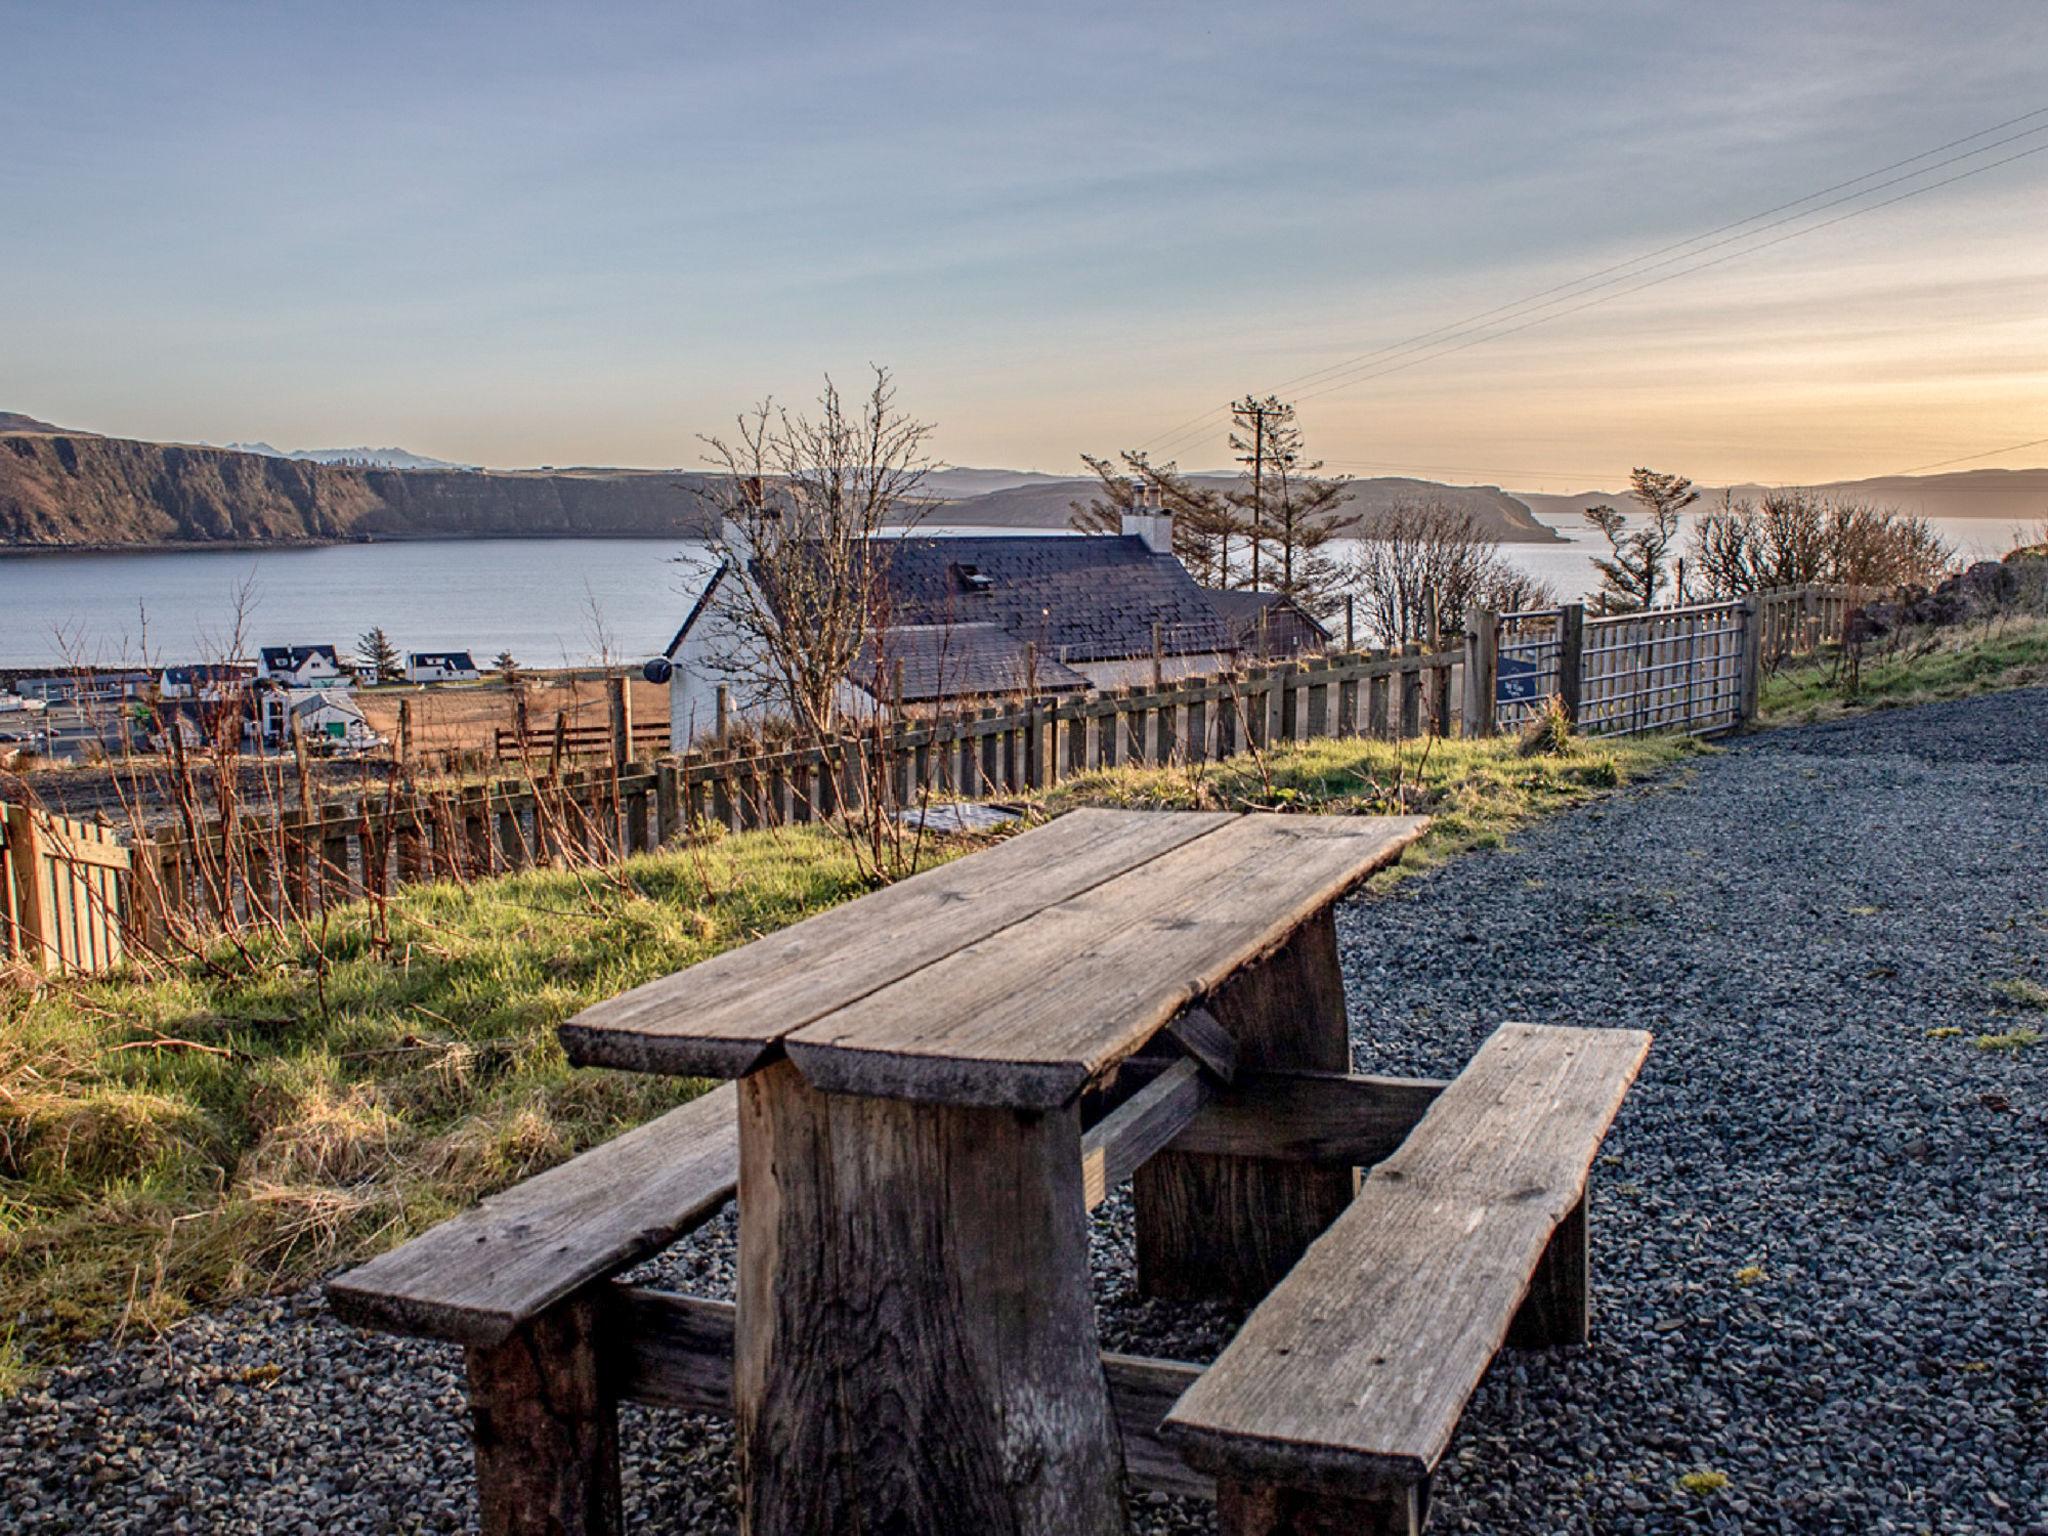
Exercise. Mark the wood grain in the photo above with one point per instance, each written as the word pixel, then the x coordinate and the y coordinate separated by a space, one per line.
pixel 545 1428
pixel 917 1346
pixel 1035 1014
pixel 1116 1147
pixel 1356 1369
pixel 725 1016
pixel 677 1351
pixel 479 1276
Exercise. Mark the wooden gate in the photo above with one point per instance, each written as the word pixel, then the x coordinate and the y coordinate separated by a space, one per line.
pixel 63 889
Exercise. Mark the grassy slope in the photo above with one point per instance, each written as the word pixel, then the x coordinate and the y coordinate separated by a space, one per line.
pixel 248 1122
pixel 1923 666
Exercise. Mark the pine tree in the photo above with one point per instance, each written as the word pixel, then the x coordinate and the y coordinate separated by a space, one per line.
pixel 1633 576
pixel 510 673
pixel 377 658
pixel 1203 523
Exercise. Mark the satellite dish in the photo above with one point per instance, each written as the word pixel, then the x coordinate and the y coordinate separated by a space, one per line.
pixel 658 670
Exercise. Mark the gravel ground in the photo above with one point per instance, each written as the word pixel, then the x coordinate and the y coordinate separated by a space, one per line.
pixel 1819 1245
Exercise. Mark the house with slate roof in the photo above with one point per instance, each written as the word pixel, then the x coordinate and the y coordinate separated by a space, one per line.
pixel 1271 624
pixel 982 617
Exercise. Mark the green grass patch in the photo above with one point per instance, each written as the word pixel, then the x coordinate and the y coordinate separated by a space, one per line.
pixel 2022 993
pixel 236 1124
pixel 1478 792
pixel 2012 1042
pixel 1919 667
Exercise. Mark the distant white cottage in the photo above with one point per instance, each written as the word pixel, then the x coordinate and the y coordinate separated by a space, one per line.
pixel 302 666
pixel 327 719
pixel 441 667
pixel 985 617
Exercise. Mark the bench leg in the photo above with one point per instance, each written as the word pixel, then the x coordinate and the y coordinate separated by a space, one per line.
pixel 546 1429
pixel 916 1346
pixel 1558 1309
pixel 1266 1509
pixel 1231 1227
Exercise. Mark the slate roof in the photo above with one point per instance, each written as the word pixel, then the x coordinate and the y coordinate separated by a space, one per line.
pixel 216 672
pixel 1078 598
pixel 949 661
pixel 289 658
pixel 452 661
pixel 1242 610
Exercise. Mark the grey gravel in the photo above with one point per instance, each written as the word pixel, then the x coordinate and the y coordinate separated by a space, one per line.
pixel 1793 917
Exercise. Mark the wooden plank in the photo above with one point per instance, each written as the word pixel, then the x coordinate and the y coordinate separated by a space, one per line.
pixel 730 1014
pixel 937 1369
pixel 544 1422
pixel 676 1352
pixel 1070 991
pixel 1402 1304
pixel 481 1275
pixel 1115 1148
pixel 1310 1117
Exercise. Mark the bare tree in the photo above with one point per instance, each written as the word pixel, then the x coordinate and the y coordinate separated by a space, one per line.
pixel 1425 563
pixel 1636 572
pixel 1793 538
pixel 801 501
pixel 1204 523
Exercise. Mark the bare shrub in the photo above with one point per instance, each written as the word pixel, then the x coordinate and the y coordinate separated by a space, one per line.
pixel 1425 564
pixel 1794 538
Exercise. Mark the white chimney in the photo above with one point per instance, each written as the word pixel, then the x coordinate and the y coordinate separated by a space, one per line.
pixel 1148 519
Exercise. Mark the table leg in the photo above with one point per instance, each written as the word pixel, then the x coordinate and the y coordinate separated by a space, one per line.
pixel 916 1347
pixel 1231 1227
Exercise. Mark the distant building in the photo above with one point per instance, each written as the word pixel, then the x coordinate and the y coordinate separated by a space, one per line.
pixel 84 685
pixel 980 616
pixel 205 682
pixel 303 666
pixel 441 667
pixel 327 718
pixel 1270 624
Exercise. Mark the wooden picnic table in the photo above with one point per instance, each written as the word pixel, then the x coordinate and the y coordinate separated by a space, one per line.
pixel 916 1345
pixel 934 1085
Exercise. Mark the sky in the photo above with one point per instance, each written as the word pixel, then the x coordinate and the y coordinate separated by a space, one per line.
pixel 520 235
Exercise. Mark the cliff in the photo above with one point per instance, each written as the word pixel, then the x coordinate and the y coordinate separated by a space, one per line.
pixel 70 490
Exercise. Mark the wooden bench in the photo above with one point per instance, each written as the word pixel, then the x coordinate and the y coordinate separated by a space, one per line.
pixel 1332 1406
pixel 937 1082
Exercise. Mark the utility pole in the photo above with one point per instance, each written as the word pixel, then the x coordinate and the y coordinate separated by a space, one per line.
pixel 1257 411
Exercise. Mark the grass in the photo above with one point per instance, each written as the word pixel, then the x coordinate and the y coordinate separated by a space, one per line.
pixel 1478 792
pixel 1924 666
pixel 233 1124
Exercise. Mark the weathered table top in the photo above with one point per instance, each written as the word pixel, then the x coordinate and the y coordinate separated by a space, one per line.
pixel 1016 976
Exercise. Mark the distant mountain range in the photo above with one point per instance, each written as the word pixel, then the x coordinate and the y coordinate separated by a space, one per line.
pixel 1045 502
pixel 360 458
pixel 2018 496
pixel 62 489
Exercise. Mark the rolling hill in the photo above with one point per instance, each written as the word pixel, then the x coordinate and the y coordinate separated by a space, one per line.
pixel 2006 495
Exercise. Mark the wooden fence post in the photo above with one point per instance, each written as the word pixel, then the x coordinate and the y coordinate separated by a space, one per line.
pixel 621 701
pixel 1482 668
pixel 1571 649
pixel 1752 657
pixel 25 853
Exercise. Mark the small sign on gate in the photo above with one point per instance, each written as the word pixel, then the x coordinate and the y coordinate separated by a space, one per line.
pixel 1517 681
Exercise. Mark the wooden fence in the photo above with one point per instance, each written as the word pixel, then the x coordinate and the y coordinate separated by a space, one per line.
pixel 63 892
pixel 1686 669
pixel 1694 669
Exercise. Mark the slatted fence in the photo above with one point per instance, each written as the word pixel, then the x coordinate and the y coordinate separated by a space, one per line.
pixel 63 892
pixel 1693 668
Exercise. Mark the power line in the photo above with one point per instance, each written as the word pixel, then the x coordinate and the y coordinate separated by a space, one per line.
pixel 1964 458
pixel 1750 250
pixel 1579 283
